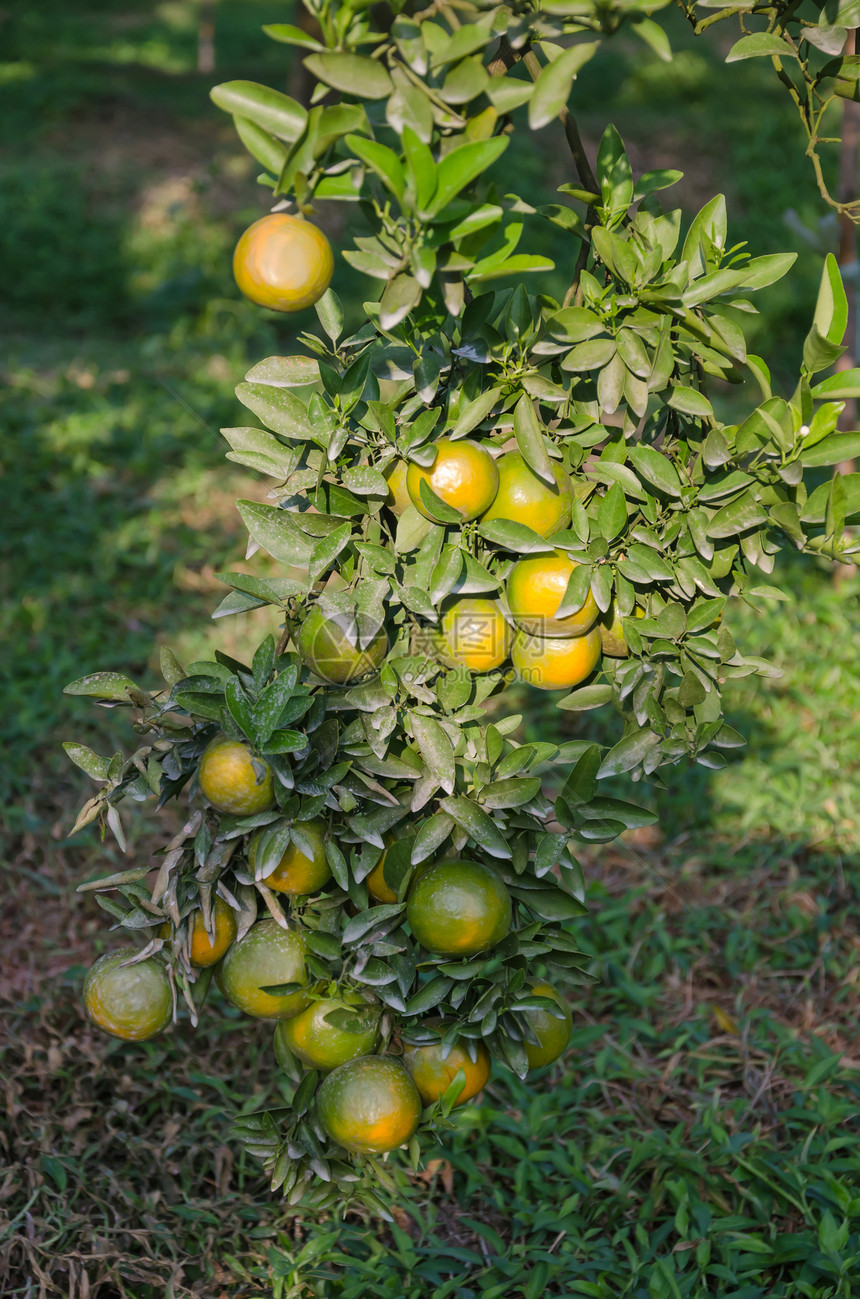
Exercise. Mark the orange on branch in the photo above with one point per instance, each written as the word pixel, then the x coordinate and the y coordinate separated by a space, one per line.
pixel 459 908
pixel 398 494
pixel 536 588
pixel 328 644
pixel 322 1045
pixel 525 498
pixel 433 1075
pixel 464 475
pixel 235 780
pixel 297 873
pixel 475 634
pixel 208 951
pixel 369 1105
pixel 133 1002
pixel 267 956
pixel 555 663
pixel 553 1034
pixel 283 262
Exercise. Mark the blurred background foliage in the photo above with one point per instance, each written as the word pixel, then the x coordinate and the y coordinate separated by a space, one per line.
pixel 718 945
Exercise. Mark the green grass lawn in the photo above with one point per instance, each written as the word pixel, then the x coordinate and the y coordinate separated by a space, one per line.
pixel 702 1136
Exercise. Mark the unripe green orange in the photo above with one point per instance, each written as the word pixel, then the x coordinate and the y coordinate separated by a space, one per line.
pixel 133 1002
pixel 329 645
pixel 433 1075
pixel 459 908
pixel 553 1034
pixel 235 780
pixel 320 1044
pixel 267 956
pixel 369 1105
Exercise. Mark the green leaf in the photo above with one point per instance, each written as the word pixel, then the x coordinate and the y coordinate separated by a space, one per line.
pixel 759 45
pixel 261 144
pixel 462 166
pixel 478 825
pixel 290 35
pixel 401 295
pixel 655 468
pixel 628 753
pixel 831 308
pixel 552 88
pixel 435 748
pixel 530 440
pixel 514 536
pixel 102 685
pixel 585 698
pixel 654 36
pixel 815 509
pixel 278 408
pixel 276 531
pixel 432 834
pixel 614 173
pixel 87 760
pixel 285 371
pixel 612 513
pixel 382 160
pixel 268 108
pixel 353 74
pixel 513 792
pixel 832 450
pixel 842 386
pixel 327 549
pixel 690 402
pixel 736 517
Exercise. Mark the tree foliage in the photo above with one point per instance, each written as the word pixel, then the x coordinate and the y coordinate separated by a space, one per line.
pixel 684 491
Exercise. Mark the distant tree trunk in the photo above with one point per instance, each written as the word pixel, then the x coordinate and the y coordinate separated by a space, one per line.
pixel 206 36
pixel 848 187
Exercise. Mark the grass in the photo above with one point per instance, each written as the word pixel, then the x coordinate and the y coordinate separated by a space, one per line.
pixel 701 1137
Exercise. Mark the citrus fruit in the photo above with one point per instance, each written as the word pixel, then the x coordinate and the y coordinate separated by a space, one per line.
pixel 133 1002
pixel 475 633
pixel 283 262
pixel 525 498
pixel 204 950
pixel 376 885
pixel 433 1075
pixel 463 475
pixel 235 780
pixel 297 873
pixel 555 663
pixel 458 908
pixel 329 645
pixel 268 955
pixel 553 1034
pixel 612 639
pixel 369 1105
pixel 398 496
pixel 536 588
pixel 321 1045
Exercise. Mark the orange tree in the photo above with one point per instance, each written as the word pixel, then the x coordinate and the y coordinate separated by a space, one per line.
pixel 476 474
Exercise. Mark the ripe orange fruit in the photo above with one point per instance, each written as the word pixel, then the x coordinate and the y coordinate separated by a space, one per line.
pixel 204 950
pixel 133 1002
pixel 432 1075
pixel 268 955
pixel 398 495
pixel 458 908
pixel 320 1045
pixel 525 498
pixel 536 588
pixel 555 663
pixel 235 780
pixel 283 262
pixel 369 1105
pixel 553 1034
pixel 328 645
pixel 475 633
pixel 464 475
pixel 612 639
pixel 296 873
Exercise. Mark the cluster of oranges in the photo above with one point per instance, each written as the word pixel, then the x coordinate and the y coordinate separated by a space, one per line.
pixel 368 1103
